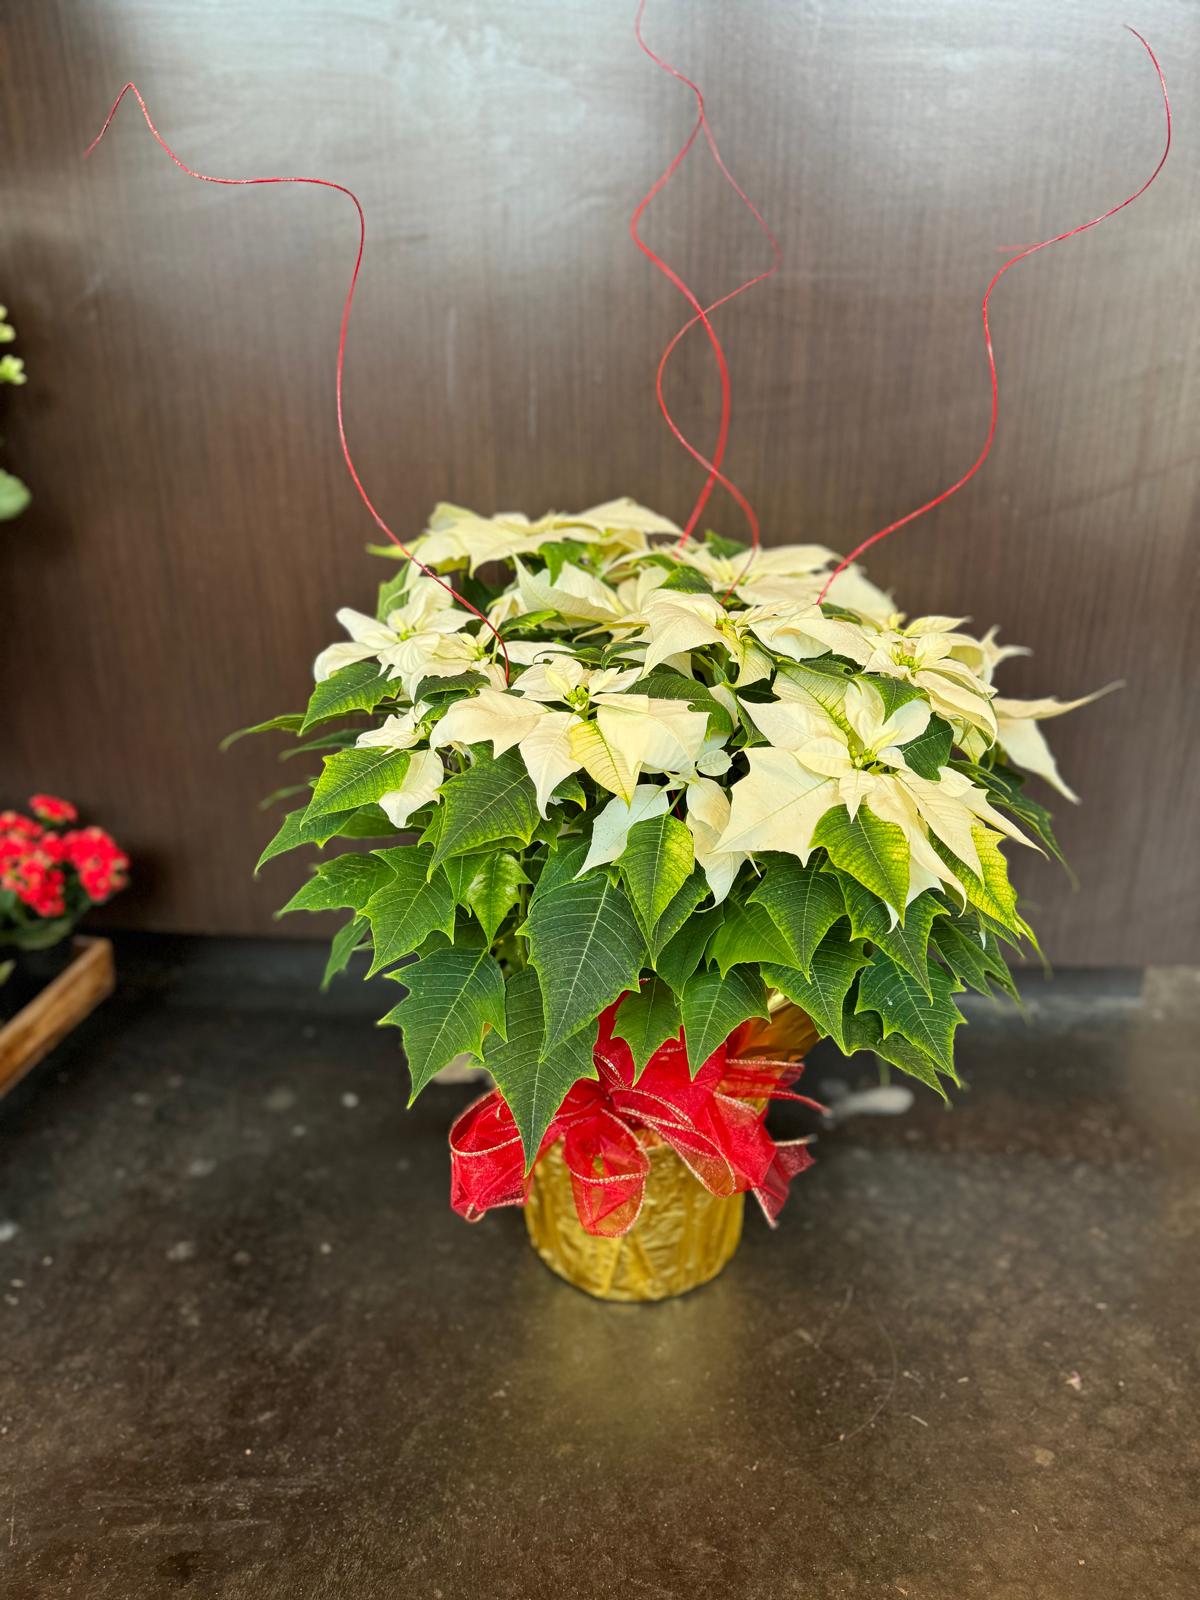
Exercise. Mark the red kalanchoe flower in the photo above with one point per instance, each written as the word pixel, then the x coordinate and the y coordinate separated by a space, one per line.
pixel 15 826
pixel 51 809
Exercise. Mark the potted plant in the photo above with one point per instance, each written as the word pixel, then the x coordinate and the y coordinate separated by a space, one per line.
pixel 14 496
pixel 52 872
pixel 649 816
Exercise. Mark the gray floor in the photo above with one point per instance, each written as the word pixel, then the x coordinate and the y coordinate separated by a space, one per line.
pixel 247 1351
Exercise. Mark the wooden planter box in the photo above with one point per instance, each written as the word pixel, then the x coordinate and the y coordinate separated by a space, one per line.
pixel 60 1006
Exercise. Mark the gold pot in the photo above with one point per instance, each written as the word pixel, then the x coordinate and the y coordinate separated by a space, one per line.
pixel 683 1235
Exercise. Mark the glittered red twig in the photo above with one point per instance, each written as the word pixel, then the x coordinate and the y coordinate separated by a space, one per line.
pixel 1020 255
pixel 702 313
pixel 321 183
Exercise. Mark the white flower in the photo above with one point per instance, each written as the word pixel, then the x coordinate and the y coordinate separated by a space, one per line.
pixel 675 623
pixel 418 639
pixel 922 653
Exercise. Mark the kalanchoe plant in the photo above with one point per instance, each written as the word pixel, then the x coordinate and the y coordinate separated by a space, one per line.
pixel 52 871
pixel 693 784
pixel 14 496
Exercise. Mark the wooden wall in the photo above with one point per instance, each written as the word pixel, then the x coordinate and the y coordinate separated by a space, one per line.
pixel 193 528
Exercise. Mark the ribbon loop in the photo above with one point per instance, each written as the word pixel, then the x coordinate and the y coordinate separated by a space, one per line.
pixel 714 1122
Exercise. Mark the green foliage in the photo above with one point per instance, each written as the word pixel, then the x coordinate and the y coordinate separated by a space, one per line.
pixel 873 852
pixel 346 941
pixel 298 827
pixel 532 1077
pixel 822 991
pixel 358 687
pixel 493 800
pixel 713 1006
pixel 346 881
pixel 656 863
pixel 414 902
pixel 803 903
pixel 587 949
pixel 905 943
pixel 353 778
pixel 454 995
pixel 494 889
pixel 648 1019
pixel 926 1020
pixel 929 752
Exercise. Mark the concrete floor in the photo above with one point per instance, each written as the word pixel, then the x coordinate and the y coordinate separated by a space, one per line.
pixel 247 1352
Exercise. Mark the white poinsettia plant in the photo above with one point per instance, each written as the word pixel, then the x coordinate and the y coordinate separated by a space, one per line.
pixel 667 772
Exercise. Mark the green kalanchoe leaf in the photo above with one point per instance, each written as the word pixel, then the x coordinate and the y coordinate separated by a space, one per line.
pixel 354 778
pixel 647 1020
pixel 713 1006
pixel 655 864
pixel 346 881
pixel 587 950
pixel 297 828
pixel 803 902
pixel 821 992
pixel 495 889
pixel 927 1021
pixel 358 687
pixel 454 996
pixel 532 1079
pixel 872 851
pixel 414 903
pixel 906 943
pixel 927 754
pixel 349 938
pixel 493 800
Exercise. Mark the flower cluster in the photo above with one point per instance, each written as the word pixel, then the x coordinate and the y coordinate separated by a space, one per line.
pixel 686 772
pixel 51 873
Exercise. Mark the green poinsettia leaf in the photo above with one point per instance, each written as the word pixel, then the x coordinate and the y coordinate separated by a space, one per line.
pixel 681 955
pixel 560 867
pixel 346 881
pixel 894 692
pixel 352 778
pixel 871 851
pixel 930 751
pixel 358 687
pixel 492 800
pixel 906 943
pixel 290 723
pixel 928 1021
pixel 414 903
pixel 713 1006
pixel 747 934
pixel 992 893
pixel 297 828
pixel 349 938
pixel 1006 789
pixel 665 684
pixel 494 890
pixel 587 950
pixel 863 1031
pixel 648 1019
pixel 442 692
pixel 454 995
pixel 656 863
pixel 821 992
pixel 532 1080
pixel 972 954
pixel 680 907
pixel 803 903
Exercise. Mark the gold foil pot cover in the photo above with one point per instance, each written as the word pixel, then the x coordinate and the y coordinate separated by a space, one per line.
pixel 683 1236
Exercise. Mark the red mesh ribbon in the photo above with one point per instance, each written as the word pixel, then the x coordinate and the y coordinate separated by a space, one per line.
pixel 715 1123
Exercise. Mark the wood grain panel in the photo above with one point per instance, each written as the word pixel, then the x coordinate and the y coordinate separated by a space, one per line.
pixel 193 530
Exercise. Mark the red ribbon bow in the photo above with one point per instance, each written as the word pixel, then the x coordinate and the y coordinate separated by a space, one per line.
pixel 715 1123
